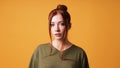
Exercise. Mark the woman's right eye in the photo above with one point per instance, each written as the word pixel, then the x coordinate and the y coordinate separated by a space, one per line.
pixel 51 24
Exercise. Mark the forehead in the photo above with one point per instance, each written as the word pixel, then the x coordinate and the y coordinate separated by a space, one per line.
pixel 57 18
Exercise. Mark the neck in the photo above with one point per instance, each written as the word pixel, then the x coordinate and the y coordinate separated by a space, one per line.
pixel 58 44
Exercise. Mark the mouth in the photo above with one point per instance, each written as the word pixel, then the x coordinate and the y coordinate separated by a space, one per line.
pixel 58 35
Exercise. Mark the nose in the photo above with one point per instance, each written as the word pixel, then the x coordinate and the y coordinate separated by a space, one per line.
pixel 57 29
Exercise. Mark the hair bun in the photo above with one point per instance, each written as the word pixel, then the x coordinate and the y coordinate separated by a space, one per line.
pixel 62 7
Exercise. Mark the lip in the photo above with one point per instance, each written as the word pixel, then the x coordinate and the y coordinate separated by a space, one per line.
pixel 58 34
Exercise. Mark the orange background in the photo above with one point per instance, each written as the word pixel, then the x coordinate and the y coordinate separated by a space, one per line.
pixel 95 28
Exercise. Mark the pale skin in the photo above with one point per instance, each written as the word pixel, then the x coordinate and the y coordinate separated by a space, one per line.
pixel 57 31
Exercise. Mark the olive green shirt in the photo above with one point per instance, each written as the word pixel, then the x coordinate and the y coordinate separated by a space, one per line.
pixel 75 57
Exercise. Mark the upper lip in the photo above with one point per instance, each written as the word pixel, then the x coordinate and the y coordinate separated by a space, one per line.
pixel 57 34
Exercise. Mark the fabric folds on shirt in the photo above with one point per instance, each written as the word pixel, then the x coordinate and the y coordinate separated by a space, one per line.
pixel 41 58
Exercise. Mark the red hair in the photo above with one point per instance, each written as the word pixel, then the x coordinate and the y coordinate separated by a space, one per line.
pixel 61 9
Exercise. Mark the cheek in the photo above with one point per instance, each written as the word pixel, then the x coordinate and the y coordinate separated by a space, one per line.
pixel 62 29
pixel 52 30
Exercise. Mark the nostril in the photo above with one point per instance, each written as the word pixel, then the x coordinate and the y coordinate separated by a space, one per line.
pixel 57 30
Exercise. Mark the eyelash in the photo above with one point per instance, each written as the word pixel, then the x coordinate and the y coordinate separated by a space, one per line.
pixel 51 24
pixel 62 24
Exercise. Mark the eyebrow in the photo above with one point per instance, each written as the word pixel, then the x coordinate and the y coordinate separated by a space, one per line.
pixel 58 22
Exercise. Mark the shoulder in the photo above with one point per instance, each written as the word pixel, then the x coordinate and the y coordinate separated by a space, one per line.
pixel 78 49
pixel 82 56
pixel 80 52
pixel 43 46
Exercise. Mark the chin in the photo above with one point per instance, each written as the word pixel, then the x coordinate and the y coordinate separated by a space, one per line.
pixel 57 38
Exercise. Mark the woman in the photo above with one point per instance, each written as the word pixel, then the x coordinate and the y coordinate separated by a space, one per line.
pixel 60 52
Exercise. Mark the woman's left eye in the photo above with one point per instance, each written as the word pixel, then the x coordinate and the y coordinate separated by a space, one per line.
pixel 62 24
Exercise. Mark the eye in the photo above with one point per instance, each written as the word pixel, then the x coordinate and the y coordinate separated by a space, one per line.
pixel 52 24
pixel 62 23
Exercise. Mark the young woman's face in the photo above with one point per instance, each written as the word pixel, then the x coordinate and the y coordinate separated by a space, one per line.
pixel 57 27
